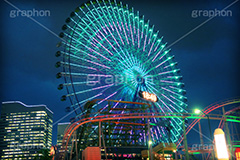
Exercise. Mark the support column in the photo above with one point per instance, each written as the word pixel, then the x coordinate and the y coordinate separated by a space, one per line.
pixel 229 142
pixel 185 140
pixel 201 138
pixel 99 134
pixel 149 140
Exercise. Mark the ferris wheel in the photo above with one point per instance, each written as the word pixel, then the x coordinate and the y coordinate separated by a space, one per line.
pixel 111 52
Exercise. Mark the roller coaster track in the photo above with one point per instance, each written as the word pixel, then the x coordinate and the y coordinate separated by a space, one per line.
pixel 101 118
pixel 207 110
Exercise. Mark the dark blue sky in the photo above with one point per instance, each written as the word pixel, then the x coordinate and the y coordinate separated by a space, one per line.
pixel 208 57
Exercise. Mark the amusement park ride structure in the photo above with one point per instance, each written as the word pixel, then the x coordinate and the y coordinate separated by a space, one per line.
pixel 115 118
pixel 111 52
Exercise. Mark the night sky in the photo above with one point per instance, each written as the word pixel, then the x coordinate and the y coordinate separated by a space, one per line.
pixel 208 57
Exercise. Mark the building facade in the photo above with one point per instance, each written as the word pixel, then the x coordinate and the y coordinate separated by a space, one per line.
pixel 24 130
pixel 60 134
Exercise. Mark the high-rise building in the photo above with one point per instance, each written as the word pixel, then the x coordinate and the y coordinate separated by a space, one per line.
pixel 24 130
pixel 60 134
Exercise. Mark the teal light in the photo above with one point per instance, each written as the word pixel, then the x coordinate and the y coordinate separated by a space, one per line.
pixel 107 40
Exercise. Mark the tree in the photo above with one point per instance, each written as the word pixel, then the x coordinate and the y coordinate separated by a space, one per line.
pixel 43 154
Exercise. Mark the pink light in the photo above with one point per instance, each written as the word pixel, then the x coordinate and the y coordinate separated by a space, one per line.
pixel 164 72
pixel 118 26
pixel 126 27
pixel 99 75
pixel 157 55
pixel 102 87
pixel 167 81
pixel 92 68
pixel 107 97
pixel 150 49
pixel 160 108
pixel 111 26
pixel 125 32
pixel 108 40
pixel 118 33
pixel 113 37
pixel 98 64
pixel 103 46
pixel 97 52
pixel 138 39
pixel 131 33
pixel 145 42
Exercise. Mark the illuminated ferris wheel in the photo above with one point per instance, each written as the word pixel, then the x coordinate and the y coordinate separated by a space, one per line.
pixel 111 52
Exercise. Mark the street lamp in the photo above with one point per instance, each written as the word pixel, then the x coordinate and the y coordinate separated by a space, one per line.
pixel 198 111
pixel 150 142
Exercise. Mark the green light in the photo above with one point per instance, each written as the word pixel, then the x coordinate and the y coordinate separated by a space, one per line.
pixel 152 124
pixel 233 120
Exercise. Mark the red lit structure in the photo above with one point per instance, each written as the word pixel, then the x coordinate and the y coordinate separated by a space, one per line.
pixel 237 153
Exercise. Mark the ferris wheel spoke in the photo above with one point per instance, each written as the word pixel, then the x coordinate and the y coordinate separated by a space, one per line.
pixel 77 65
pixel 107 41
pixel 179 90
pixel 160 50
pixel 153 43
pixel 99 42
pixel 146 35
pixel 112 34
pixel 107 20
pixel 78 51
pixel 86 60
pixel 85 100
pixel 168 99
pixel 75 74
pixel 170 91
pixel 80 83
pixel 158 43
pixel 132 34
pixel 180 98
pixel 88 90
pixel 115 24
pixel 168 59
